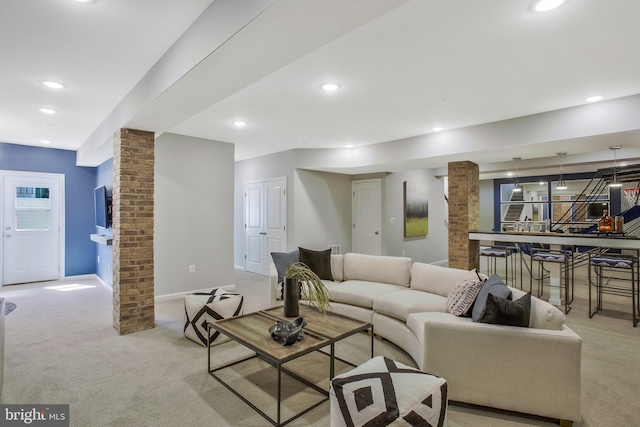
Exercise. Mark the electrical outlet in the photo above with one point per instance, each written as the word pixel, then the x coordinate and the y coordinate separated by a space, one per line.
pixel 192 268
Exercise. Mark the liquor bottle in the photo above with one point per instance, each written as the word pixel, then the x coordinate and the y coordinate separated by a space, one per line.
pixel 619 220
pixel 605 224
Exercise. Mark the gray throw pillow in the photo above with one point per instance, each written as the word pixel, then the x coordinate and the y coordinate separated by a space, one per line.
pixel 495 286
pixel 282 260
pixel 504 312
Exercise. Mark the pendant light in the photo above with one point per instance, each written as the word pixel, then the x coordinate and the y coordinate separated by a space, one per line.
pixel 561 184
pixel 517 188
pixel 615 182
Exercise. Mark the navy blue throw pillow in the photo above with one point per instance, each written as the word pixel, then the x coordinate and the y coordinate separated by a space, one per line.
pixel 495 286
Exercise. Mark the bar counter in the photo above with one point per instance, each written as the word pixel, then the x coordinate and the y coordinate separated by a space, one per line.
pixel 557 241
pixel 615 241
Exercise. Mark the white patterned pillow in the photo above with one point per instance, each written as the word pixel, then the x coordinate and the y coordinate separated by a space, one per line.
pixel 463 295
pixel 383 392
pixel 200 308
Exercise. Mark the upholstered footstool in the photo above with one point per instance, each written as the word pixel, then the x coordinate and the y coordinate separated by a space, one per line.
pixel 200 308
pixel 383 392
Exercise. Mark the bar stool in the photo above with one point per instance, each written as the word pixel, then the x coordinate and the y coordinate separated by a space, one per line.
pixel 615 265
pixel 492 253
pixel 555 256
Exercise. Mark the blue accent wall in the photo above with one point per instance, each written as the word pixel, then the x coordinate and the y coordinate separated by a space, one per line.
pixel 104 176
pixel 80 251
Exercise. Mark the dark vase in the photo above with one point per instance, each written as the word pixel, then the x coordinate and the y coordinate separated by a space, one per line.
pixel 290 294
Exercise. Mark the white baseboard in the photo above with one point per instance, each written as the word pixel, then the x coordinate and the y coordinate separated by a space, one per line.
pixel 182 294
pixel 238 267
pixel 103 283
pixel 80 277
pixel 442 263
pixel 87 277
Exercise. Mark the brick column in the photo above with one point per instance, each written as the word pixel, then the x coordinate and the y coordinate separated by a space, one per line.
pixel 464 214
pixel 133 181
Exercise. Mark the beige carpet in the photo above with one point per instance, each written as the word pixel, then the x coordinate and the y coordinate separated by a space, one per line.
pixel 60 347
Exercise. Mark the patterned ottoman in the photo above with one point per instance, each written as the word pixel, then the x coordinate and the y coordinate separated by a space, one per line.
pixel 382 392
pixel 200 308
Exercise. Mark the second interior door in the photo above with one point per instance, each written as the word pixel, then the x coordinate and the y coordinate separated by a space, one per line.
pixel 265 223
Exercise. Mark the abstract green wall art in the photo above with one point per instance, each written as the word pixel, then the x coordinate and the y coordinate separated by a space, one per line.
pixel 416 209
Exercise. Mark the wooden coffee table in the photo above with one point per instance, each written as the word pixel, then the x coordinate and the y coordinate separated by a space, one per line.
pixel 252 331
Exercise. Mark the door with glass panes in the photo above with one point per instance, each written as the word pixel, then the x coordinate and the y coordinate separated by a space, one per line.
pixel 30 228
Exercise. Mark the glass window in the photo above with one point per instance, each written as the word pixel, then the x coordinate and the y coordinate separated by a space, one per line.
pixel 33 209
pixel 579 206
pixel 527 209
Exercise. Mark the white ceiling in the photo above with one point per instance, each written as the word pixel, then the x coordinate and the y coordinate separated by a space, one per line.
pixel 404 67
pixel 100 51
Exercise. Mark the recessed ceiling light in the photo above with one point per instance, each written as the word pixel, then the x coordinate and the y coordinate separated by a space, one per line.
pixel 437 128
pixel 546 5
pixel 594 98
pixel 348 146
pixel 239 123
pixel 44 141
pixel 48 110
pixel 53 85
pixel 330 87
pixel 509 173
pixel 86 1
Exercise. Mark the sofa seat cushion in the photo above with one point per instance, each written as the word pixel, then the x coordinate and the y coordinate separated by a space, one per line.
pixel 543 316
pixel 402 303
pixel 416 321
pixel 375 268
pixel 360 293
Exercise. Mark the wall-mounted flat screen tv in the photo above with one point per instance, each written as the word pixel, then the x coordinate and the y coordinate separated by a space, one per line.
pixel 102 208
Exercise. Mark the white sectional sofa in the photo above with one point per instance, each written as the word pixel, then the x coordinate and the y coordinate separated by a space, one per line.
pixel 534 370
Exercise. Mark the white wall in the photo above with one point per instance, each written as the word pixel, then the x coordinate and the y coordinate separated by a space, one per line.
pixel 319 208
pixel 430 248
pixel 193 213
pixel 260 169
pixel 322 210
pixel 318 203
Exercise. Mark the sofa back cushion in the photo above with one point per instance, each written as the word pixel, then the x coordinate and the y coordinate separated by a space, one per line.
pixel 337 267
pixel 435 279
pixel 373 268
pixel 543 315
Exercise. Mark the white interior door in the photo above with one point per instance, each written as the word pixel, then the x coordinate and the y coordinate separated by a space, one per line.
pixel 265 223
pixel 30 229
pixel 275 219
pixel 254 227
pixel 367 217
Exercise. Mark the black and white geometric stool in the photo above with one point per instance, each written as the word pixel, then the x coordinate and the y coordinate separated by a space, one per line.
pixel 610 271
pixel 383 392
pixel 493 253
pixel 200 308
pixel 562 257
